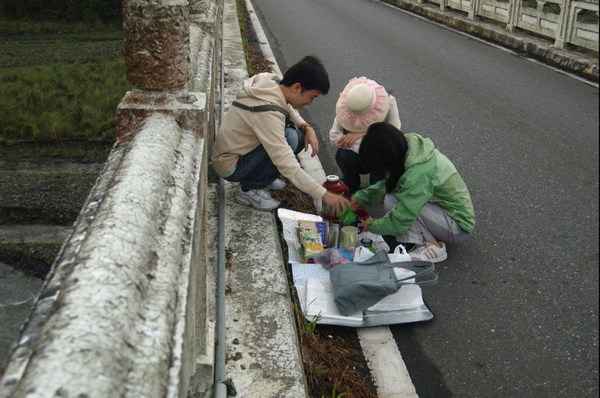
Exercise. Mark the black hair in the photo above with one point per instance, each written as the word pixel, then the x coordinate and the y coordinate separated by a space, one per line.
pixel 383 152
pixel 310 73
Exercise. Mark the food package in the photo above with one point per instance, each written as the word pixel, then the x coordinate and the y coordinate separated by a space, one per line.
pixel 315 227
pixel 312 234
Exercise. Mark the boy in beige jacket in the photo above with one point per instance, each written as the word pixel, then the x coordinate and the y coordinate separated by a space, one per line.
pixel 258 139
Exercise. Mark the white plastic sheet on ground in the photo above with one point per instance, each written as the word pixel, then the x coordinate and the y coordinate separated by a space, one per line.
pixel 316 296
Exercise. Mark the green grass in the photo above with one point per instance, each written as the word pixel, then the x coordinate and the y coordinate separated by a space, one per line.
pixel 9 27
pixel 52 48
pixel 60 81
pixel 246 32
pixel 61 101
pixel 334 393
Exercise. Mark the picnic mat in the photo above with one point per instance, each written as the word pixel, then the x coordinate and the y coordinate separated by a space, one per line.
pixel 316 296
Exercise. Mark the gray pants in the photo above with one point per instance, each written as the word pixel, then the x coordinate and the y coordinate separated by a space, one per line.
pixel 433 222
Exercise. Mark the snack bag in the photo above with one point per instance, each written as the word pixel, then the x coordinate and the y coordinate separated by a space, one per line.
pixel 332 256
pixel 314 226
pixel 312 244
pixel 312 234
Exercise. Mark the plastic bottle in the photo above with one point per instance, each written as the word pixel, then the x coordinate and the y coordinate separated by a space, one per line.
pixel 333 185
pixel 367 244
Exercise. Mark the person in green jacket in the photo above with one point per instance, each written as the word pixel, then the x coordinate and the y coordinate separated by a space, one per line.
pixel 426 200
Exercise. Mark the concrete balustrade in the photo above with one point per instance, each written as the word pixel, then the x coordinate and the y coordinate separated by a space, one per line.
pixel 477 11
pixel 562 22
pixel 112 314
pixel 128 308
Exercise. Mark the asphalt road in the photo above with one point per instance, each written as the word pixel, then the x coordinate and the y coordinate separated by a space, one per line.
pixel 516 308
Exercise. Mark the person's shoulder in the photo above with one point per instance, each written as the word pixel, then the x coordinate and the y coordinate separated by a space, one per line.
pixel 266 78
pixel 270 75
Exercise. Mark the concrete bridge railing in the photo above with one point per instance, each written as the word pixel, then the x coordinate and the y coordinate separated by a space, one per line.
pixel 128 307
pixel 564 21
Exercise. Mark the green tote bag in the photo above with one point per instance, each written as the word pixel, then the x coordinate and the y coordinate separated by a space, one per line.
pixel 359 285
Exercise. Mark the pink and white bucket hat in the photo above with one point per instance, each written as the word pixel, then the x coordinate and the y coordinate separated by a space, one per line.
pixel 362 103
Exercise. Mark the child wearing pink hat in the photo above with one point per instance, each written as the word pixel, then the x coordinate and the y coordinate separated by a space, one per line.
pixel 362 103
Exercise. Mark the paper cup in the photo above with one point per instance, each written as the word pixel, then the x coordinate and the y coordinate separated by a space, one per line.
pixel 348 236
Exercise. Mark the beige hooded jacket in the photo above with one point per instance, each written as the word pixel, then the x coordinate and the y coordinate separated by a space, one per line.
pixel 242 131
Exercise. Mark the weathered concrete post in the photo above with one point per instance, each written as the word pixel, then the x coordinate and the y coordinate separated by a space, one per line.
pixel 157 57
pixel 443 5
pixel 514 10
pixel 157 48
pixel 473 9
pixel 566 21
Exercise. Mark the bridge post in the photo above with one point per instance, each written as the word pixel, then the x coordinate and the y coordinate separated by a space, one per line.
pixel 157 49
pixel 566 21
pixel 157 58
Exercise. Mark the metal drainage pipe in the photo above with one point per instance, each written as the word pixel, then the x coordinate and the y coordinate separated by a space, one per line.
pixel 220 388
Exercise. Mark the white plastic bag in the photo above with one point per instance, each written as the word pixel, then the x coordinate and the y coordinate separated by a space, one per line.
pixel 399 254
pixel 362 253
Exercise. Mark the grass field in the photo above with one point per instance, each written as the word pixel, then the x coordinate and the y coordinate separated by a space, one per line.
pixel 60 81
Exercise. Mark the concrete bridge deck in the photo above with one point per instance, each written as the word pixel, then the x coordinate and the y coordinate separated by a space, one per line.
pixel 120 351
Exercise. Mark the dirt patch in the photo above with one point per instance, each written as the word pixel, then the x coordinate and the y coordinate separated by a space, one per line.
pixel 33 260
pixel 43 199
pixel 44 183
pixel 332 359
pixel 43 194
pixel 73 151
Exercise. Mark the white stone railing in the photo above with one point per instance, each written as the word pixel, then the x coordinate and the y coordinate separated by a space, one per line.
pixel 564 21
pixel 127 309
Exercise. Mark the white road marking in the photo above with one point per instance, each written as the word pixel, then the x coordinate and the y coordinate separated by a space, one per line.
pixel 385 361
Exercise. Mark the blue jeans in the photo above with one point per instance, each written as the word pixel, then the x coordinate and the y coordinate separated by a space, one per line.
pixel 255 170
